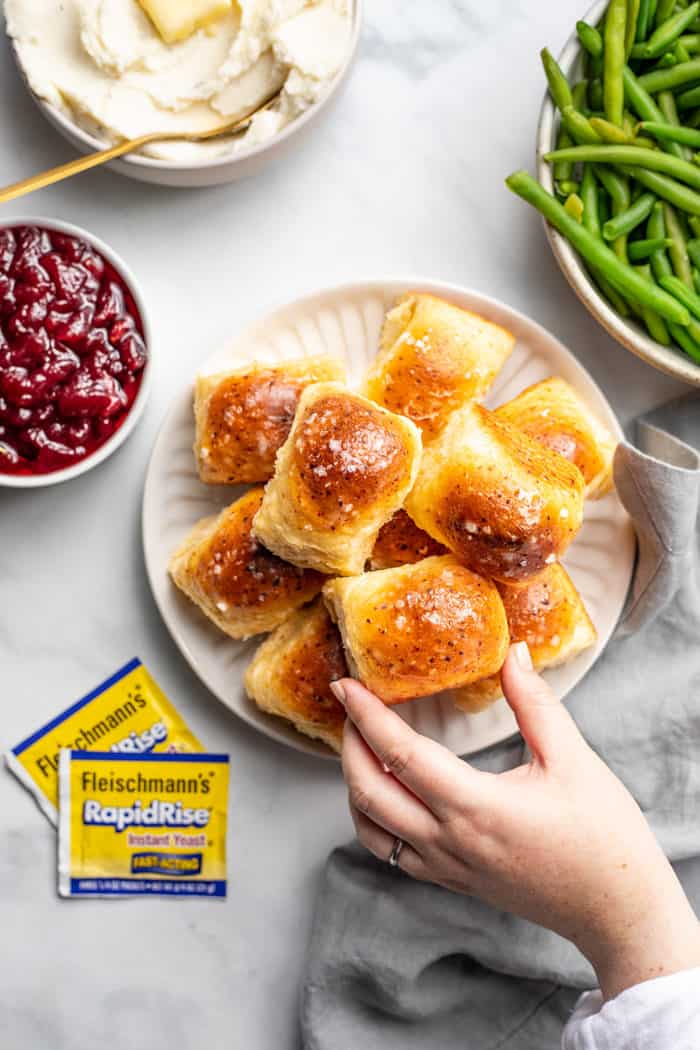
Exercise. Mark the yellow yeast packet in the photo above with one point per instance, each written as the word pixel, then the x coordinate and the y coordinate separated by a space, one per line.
pixel 129 713
pixel 134 825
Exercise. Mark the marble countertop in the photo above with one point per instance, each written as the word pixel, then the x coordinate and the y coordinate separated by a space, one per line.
pixel 405 179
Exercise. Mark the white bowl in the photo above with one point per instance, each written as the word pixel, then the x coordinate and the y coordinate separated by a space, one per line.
pixel 217 171
pixel 345 321
pixel 34 481
pixel 627 332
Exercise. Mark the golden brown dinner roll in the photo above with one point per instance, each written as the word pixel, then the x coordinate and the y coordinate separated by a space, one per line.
pixel 553 413
pixel 547 613
pixel 505 504
pixel 401 542
pixel 419 629
pixel 240 586
pixel 344 470
pixel 433 358
pixel 292 670
pixel 244 417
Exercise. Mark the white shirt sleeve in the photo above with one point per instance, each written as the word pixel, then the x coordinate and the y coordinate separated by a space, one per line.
pixel 663 1014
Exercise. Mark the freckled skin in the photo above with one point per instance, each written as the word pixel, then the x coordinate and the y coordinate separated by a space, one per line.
pixel 346 455
pixel 250 576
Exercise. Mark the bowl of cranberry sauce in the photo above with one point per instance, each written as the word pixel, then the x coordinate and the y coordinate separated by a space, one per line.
pixel 74 352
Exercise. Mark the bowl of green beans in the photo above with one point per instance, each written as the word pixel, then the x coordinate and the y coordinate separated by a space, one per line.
pixel 619 174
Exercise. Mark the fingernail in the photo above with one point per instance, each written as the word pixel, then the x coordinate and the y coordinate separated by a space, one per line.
pixel 338 690
pixel 521 651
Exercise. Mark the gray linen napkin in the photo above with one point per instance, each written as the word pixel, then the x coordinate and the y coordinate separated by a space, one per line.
pixel 397 965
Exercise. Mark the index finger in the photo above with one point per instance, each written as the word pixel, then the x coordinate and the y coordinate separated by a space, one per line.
pixel 436 776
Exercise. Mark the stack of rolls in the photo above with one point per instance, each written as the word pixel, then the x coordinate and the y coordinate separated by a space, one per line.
pixel 405 534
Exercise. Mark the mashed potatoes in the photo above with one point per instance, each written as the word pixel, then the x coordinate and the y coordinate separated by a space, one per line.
pixel 103 63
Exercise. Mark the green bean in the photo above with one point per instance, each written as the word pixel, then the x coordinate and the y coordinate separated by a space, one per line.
pixel 610 133
pixel 589 196
pixel 656 228
pixel 669 31
pixel 574 207
pixel 664 11
pixel 564 169
pixel 579 95
pixel 643 22
pixel 626 221
pixel 595 93
pixel 655 324
pixel 644 106
pixel 678 252
pixel 667 105
pixel 696 279
pixel 672 133
pixel 667 60
pixel 632 15
pixel 631 156
pixel 668 79
pixel 590 39
pixel 685 341
pixel 694 223
pixel 693 247
pixel 645 248
pixel 680 52
pixel 689 99
pixel 579 127
pixel 558 84
pixel 691 42
pixel 616 187
pixel 595 252
pixel 670 190
pixel 687 296
pixel 614 58
pixel 568 187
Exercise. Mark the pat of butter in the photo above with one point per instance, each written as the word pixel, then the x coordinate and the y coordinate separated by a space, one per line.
pixel 177 20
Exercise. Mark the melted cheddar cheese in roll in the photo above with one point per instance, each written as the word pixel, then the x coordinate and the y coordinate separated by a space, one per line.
pixel 345 469
pixel 419 629
pixel 241 587
pixel 552 413
pixel 434 357
pixel 243 417
pixel 506 505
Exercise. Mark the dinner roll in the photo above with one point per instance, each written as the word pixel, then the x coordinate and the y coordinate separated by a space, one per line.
pixel 505 504
pixel 419 629
pixel 433 358
pixel 344 470
pixel 401 542
pixel 292 670
pixel 548 613
pixel 240 586
pixel 552 413
pixel 243 417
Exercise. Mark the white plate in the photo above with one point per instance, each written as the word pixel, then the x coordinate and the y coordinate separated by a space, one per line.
pixel 345 321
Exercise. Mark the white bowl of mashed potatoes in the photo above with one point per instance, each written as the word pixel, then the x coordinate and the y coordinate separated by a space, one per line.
pixel 105 70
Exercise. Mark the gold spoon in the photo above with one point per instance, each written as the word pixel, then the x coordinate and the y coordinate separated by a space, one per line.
pixel 93 160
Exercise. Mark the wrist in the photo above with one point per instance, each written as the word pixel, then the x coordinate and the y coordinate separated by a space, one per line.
pixel 658 937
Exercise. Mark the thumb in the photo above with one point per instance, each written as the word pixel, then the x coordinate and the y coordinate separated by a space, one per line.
pixel 546 725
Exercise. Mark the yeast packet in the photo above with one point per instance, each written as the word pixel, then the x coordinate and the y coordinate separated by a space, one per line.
pixel 127 714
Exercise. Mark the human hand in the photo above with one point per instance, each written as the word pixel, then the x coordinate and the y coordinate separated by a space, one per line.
pixel 558 841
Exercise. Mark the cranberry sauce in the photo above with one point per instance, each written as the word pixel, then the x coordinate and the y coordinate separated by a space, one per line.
pixel 72 351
